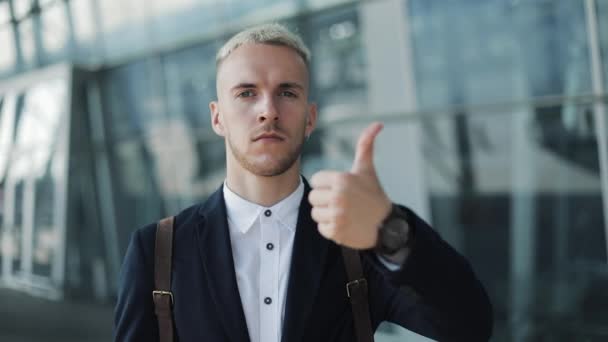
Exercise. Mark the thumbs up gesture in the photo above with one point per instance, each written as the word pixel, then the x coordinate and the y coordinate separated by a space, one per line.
pixel 349 206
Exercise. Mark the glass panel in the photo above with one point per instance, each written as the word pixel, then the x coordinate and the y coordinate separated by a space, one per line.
pixel 28 44
pixel 85 23
pixel 3 163
pixel 46 3
pixel 7 46
pixel 7 246
pixel 602 22
pixel 15 233
pixel 3 133
pixel 190 84
pixel 55 29
pixel 320 4
pixel 51 99
pixel 8 117
pixel 136 188
pixel 3 247
pixel 134 97
pixel 256 11
pixel 338 67
pixel 180 21
pixel 124 28
pixel 46 239
pixel 489 51
pixel 5 13
pixel 14 190
pixel 21 8
pixel 36 145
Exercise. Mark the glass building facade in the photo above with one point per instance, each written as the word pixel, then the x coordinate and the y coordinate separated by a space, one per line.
pixel 496 133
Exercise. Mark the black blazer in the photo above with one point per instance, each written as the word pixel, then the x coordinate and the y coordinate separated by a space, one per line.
pixel 435 293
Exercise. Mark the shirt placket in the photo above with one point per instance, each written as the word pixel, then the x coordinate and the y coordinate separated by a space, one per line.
pixel 269 277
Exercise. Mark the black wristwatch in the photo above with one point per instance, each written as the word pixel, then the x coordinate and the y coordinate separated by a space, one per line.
pixel 394 234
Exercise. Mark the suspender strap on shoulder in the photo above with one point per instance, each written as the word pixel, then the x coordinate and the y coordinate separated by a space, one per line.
pixel 356 290
pixel 162 295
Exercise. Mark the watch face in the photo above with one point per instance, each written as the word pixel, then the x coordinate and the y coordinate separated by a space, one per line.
pixel 394 235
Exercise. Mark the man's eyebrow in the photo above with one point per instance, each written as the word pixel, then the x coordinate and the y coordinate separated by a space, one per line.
pixel 283 85
pixel 243 85
pixel 291 85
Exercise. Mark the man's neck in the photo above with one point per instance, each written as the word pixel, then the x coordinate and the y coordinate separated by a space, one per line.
pixel 264 191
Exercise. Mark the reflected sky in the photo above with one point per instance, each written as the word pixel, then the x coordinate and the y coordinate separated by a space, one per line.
pixel 36 131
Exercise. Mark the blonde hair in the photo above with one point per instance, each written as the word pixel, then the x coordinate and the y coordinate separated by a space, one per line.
pixel 271 34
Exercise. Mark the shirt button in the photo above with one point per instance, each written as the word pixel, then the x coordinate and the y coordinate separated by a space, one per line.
pixel 268 213
pixel 267 300
pixel 269 246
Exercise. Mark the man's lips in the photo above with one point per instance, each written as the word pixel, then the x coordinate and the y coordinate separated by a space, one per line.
pixel 269 136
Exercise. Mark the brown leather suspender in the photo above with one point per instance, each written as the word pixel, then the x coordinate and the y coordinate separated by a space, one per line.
pixel 162 295
pixel 356 288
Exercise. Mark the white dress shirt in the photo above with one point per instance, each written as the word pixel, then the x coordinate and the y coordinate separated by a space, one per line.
pixel 262 243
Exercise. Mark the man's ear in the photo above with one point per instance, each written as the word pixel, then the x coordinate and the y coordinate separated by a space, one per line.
pixel 216 119
pixel 311 119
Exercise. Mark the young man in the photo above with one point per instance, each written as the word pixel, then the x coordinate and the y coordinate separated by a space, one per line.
pixel 261 259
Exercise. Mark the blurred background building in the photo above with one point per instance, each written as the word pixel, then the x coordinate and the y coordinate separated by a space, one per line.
pixel 496 133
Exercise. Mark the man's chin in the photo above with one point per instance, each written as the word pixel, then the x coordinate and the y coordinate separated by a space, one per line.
pixel 267 170
pixel 267 166
pixel 267 163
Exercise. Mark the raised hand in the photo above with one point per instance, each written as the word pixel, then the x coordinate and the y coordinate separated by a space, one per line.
pixel 349 206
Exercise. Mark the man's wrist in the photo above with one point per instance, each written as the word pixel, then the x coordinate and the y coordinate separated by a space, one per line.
pixel 394 235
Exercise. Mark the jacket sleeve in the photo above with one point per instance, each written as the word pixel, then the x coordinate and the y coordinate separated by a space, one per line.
pixel 134 318
pixel 436 292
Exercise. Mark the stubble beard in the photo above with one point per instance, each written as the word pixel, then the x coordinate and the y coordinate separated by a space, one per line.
pixel 269 167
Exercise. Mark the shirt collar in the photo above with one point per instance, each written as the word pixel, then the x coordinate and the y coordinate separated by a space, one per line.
pixel 243 213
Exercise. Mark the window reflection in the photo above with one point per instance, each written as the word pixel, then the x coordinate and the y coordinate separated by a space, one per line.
pixel 33 127
pixel 602 22
pixel 21 8
pixel 36 132
pixel 27 41
pixel 55 26
pixel 338 67
pixel 7 123
pixel 523 179
pixel 5 14
pixel 511 51
pixel 7 45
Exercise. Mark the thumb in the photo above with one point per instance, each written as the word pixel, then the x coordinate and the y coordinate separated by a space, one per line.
pixel 364 154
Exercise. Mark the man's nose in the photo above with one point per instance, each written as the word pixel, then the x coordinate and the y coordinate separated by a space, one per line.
pixel 268 110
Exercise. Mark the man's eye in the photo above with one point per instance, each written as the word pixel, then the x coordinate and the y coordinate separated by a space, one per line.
pixel 246 93
pixel 288 94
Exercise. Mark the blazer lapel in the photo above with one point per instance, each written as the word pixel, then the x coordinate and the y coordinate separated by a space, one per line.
pixel 216 253
pixel 307 263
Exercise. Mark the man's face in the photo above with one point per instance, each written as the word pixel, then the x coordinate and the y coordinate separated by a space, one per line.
pixel 262 108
